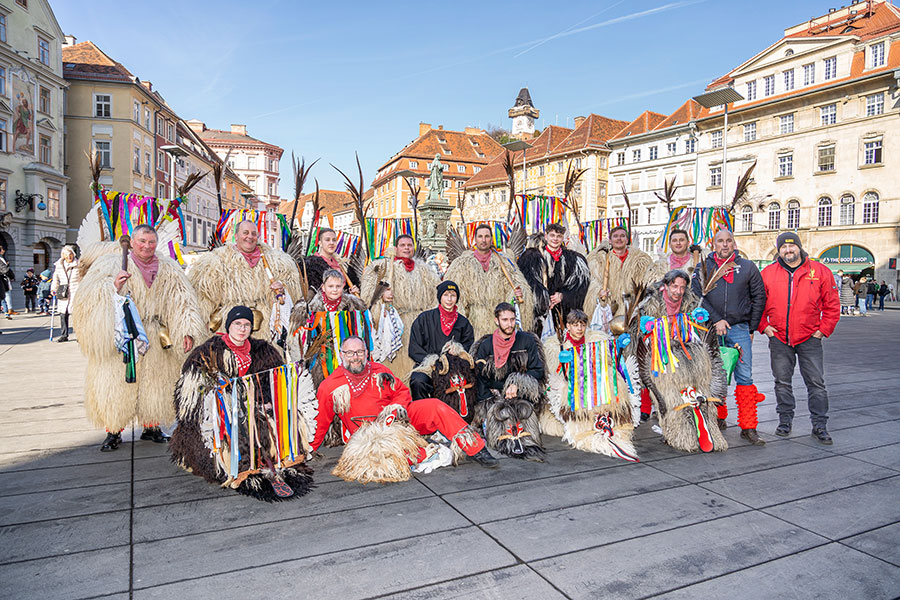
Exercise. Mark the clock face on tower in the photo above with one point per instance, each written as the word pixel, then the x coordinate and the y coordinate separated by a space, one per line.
pixel 523 124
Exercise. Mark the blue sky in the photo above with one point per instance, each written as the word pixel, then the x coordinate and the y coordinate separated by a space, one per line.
pixel 326 79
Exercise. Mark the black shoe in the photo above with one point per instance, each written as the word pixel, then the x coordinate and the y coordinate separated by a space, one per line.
pixel 645 417
pixel 783 430
pixel 111 442
pixel 485 459
pixel 751 436
pixel 820 434
pixel 62 338
pixel 154 434
pixel 723 424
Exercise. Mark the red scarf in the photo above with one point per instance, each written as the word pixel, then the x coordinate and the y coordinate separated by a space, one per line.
pixel 252 258
pixel 448 319
pixel 729 276
pixel 678 262
pixel 148 269
pixel 358 382
pixel 409 263
pixel 241 353
pixel 623 256
pixel 331 260
pixel 331 305
pixel 502 347
pixel 673 307
pixel 555 254
pixel 575 344
pixel 484 260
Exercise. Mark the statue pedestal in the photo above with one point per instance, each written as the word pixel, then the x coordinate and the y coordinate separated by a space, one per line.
pixel 434 218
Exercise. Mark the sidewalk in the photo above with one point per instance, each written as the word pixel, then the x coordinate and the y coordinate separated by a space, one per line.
pixel 793 519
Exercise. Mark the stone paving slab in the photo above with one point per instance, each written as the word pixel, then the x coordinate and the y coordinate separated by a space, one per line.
pixel 880 543
pixel 75 576
pixel 885 456
pixel 518 582
pixel 64 536
pixel 859 438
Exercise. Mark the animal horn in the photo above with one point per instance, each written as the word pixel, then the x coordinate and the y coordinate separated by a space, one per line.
pixel 446 365
pixel 468 358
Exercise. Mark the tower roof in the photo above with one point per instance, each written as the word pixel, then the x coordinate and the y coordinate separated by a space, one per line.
pixel 524 98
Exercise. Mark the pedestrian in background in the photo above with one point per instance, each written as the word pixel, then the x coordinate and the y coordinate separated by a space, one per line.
pixel 44 292
pixel 29 288
pixel 6 278
pixel 65 283
pixel 871 292
pixel 860 290
pixel 882 292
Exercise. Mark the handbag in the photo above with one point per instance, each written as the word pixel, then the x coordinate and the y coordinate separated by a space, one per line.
pixel 62 291
pixel 730 357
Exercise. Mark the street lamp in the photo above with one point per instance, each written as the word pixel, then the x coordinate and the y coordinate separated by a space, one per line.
pixel 174 152
pixel 721 97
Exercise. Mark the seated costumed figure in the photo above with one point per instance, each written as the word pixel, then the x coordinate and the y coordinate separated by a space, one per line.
pixel 203 442
pixel 590 399
pixel 679 362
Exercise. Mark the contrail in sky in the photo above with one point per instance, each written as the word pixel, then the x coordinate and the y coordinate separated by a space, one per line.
pixel 567 30
pixel 654 92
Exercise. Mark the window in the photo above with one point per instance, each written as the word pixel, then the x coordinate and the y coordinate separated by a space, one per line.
pixel 634 216
pixel 774 216
pixel 715 176
pixel 44 144
pixel 161 191
pixel 769 85
pixel 636 155
pixel 147 170
pixel 541 171
pixel 874 104
pixel 825 212
pixel 104 151
pixel 751 90
pixel 602 162
pixel 788 80
pixel 461 168
pixel 136 164
pixel 413 164
pixel 620 158
pixel 2 194
pixel 809 74
pixel 829 114
pixel 147 119
pixel 160 126
pixel 647 244
pixel 749 132
pixel 272 188
pixel 872 152
pixel 650 214
pixel 826 158
pixel 830 68
pixel 2 28
pixel 476 169
pixel 602 189
pixel 716 138
pixel 786 165
pixel 136 113
pixel 870 208
pixel 670 149
pixel 2 81
pixel 160 160
pixel 654 152
pixel 793 215
pixel 170 134
pixel 52 203
pixel 876 55
pixel 787 123
pixel 446 184
pixel 44 100
pixel 848 208
pixel 578 163
pixel 747 218
pixel 559 190
pixel 102 105
pixel 690 145
pixel 44 51
pixel 251 162
pixel 3 135
pixel 559 167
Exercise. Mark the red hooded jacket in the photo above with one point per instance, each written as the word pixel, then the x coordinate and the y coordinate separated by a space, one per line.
pixel 799 303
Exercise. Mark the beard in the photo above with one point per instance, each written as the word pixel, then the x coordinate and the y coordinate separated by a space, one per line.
pixel 356 366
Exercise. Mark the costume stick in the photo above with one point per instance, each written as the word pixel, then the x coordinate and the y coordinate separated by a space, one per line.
pixel 280 295
pixel 52 315
pixel 125 242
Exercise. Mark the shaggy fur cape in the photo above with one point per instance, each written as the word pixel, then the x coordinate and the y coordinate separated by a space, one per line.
pixel 577 427
pixel 622 277
pixel 704 372
pixel 170 302
pixel 569 275
pixel 452 372
pixel 414 292
pixel 187 445
pixel 481 292
pixel 223 279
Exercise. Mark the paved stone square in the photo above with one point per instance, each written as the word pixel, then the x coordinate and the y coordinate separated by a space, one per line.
pixel 793 519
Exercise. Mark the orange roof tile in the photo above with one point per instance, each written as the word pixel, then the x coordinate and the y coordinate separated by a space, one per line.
pixel 330 201
pixel 594 131
pixel 87 61
pixel 542 145
pixel 646 121
pixel 685 113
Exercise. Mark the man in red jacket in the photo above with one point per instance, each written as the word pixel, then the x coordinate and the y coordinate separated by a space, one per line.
pixel 360 389
pixel 802 307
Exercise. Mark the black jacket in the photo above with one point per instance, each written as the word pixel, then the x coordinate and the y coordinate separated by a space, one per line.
pixel 526 356
pixel 741 301
pixel 426 336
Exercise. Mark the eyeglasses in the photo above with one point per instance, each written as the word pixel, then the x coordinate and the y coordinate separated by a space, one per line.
pixel 241 325
pixel 352 353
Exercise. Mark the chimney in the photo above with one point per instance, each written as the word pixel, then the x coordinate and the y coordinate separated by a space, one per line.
pixel 578 121
pixel 440 127
pixel 70 40
pixel 238 129
pixel 473 131
pixel 196 125
pixel 148 85
pixel 424 128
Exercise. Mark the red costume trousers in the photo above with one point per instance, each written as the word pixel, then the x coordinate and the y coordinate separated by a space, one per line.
pixel 430 414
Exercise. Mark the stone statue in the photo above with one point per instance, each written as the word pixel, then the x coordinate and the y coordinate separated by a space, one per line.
pixel 436 180
pixel 429 229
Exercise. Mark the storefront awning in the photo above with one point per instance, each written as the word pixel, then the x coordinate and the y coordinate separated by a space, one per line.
pixel 849 258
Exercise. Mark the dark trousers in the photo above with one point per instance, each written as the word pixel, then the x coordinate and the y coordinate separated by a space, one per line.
pixel 64 325
pixel 880 302
pixel 30 301
pixel 420 386
pixel 812 369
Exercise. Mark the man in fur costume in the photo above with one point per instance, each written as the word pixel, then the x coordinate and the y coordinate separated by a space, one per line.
pixel 171 317
pixel 246 273
pixel 358 391
pixel 405 283
pixel 487 278
pixel 262 471
pixel 584 407
pixel 616 271
pixel 511 378
pixel 679 362
pixel 559 278
pixel 326 258
pixel 683 256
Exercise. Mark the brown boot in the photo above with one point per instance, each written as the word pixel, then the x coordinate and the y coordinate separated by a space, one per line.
pixel 751 436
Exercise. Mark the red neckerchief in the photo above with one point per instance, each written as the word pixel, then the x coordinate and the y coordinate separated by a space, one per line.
pixel 148 269
pixel 252 258
pixel 332 305
pixel 622 257
pixel 358 382
pixel 729 276
pixel 672 307
pixel 241 353
pixel 502 347
pixel 555 254
pixel 575 344
pixel 448 319
pixel 409 263
pixel 484 260
pixel 677 262
pixel 330 260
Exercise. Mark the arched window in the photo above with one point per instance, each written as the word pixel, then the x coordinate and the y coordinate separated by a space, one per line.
pixel 774 216
pixel 747 218
pixel 848 208
pixel 825 211
pixel 793 215
pixel 870 208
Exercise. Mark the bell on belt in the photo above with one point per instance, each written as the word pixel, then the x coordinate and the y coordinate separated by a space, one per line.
pixel 617 325
pixel 165 340
pixel 215 321
pixel 257 319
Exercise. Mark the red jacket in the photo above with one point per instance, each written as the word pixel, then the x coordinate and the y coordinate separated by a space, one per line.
pixel 800 303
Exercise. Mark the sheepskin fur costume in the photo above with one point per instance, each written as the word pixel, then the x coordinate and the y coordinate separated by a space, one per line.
pixel 169 303
pixel 453 377
pixel 413 293
pixel 191 445
pixel 569 275
pixel 637 268
pixel 481 292
pixel 703 371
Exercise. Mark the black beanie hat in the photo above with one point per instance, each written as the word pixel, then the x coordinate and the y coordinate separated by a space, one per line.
pixel 447 286
pixel 787 237
pixel 238 312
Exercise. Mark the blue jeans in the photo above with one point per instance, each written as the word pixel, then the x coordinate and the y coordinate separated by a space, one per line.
pixel 861 302
pixel 870 300
pixel 740 334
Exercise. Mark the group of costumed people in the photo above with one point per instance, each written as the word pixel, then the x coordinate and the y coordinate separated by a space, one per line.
pixel 260 357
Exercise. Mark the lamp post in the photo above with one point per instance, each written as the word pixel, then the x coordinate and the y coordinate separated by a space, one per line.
pixel 721 97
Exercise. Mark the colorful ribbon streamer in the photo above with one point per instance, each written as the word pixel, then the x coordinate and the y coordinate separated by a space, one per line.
pixel 536 212
pixel 226 228
pixel 499 230
pixel 592 375
pixel 701 224
pixel 593 232
pixel 382 234
pixel 121 213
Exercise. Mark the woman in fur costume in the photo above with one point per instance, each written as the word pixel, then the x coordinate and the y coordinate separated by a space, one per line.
pixel 404 282
pixel 246 273
pixel 511 380
pixel 679 362
pixel 194 444
pixel 168 308
pixel 604 427
pixel 616 271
